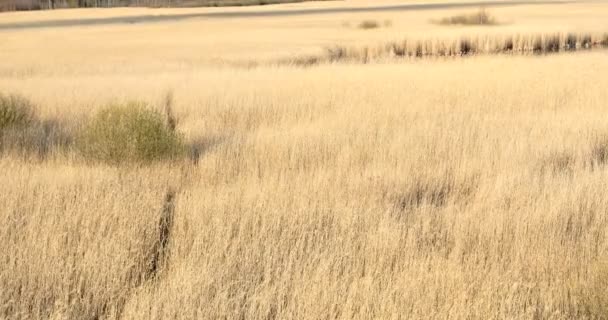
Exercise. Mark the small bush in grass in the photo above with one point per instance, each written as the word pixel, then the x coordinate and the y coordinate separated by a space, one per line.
pixel 15 112
pixel 129 133
pixel 481 17
pixel 369 24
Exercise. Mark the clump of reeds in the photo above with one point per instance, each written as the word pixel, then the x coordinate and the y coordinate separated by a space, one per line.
pixel 604 40
pixel 369 24
pixel 482 17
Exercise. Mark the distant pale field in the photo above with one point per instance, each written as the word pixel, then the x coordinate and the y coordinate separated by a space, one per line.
pixel 470 188
pixel 118 12
pixel 200 42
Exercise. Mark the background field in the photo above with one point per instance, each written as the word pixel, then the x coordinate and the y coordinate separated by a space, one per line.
pixel 437 188
pixel 26 5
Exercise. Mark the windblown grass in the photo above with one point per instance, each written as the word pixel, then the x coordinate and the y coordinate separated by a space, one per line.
pixel 469 189
pixel 439 188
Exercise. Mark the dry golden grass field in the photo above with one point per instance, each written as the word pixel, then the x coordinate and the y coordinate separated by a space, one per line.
pixel 458 187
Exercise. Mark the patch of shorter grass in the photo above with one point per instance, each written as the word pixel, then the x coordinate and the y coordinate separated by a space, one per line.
pixel 22 132
pixel 557 163
pixel 481 17
pixel 433 192
pixel 39 139
pixel 131 132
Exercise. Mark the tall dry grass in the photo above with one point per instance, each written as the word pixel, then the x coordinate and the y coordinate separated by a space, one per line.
pixel 446 189
pixel 427 189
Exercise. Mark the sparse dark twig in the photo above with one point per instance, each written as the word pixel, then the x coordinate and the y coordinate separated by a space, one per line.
pixel 171 119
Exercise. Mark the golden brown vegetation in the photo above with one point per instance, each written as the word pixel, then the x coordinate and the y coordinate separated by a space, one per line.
pixel 422 195
pixel 433 188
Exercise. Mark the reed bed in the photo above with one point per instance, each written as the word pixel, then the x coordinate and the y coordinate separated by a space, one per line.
pixel 519 44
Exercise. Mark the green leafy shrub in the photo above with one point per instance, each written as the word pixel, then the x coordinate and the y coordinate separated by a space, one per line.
pixel 15 112
pixel 128 133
